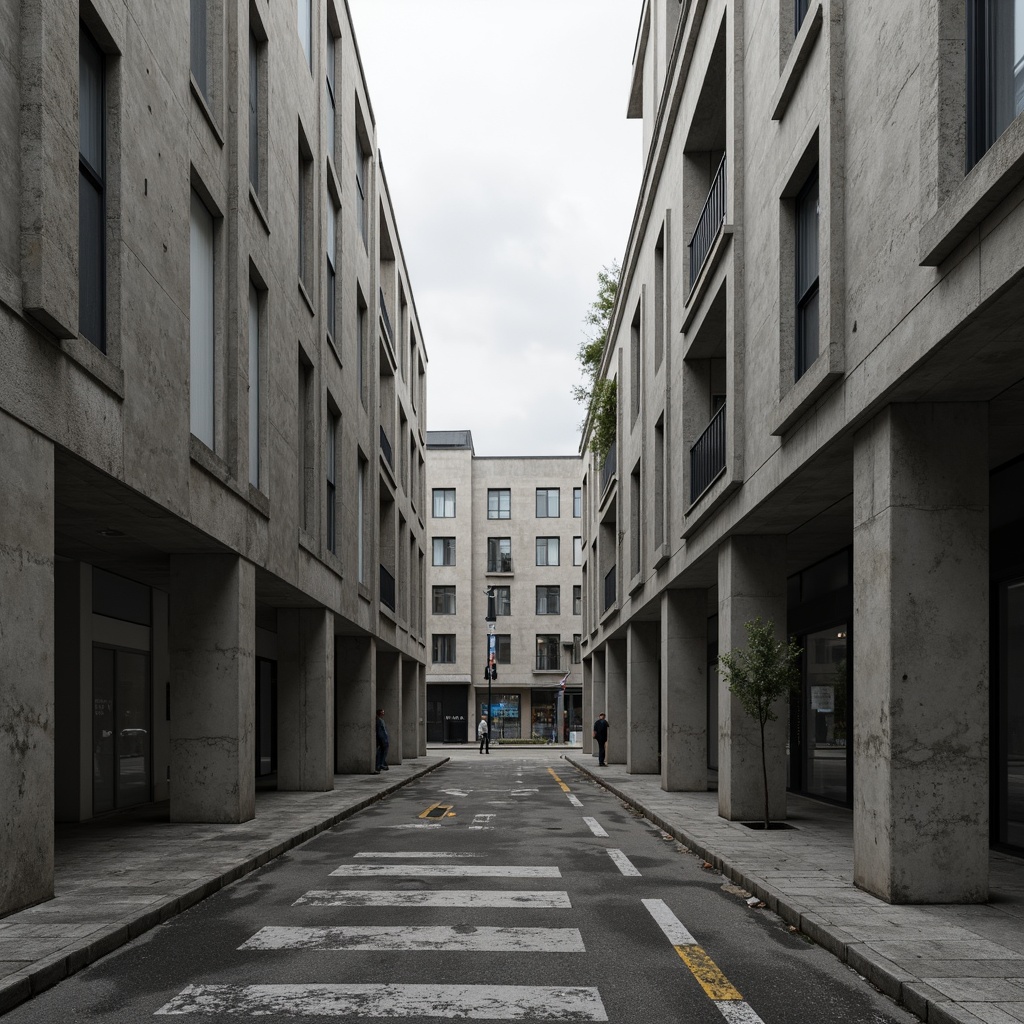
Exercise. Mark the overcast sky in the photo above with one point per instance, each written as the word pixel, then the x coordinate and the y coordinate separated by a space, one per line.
pixel 514 174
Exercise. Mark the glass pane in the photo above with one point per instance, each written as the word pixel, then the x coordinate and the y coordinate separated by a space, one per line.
pixel 102 730
pixel 199 45
pixel 254 386
pixel 254 112
pixel 825 702
pixel 807 238
pixel 90 103
pixel 91 275
pixel 201 383
pixel 808 333
pixel 1011 827
pixel 305 18
pixel 133 725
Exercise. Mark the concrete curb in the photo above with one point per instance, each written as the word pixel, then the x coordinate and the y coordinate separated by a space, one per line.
pixel 910 992
pixel 20 986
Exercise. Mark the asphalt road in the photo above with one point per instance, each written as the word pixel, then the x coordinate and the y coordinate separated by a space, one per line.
pixel 486 890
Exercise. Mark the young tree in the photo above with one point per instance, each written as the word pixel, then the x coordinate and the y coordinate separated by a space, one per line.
pixel 598 394
pixel 758 676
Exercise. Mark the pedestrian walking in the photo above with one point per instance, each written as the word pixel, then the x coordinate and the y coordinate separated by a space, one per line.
pixel 601 735
pixel 483 734
pixel 382 744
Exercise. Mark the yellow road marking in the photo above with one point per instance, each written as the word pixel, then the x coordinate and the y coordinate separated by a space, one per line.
pixel 715 984
pixel 565 788
pixel 441 807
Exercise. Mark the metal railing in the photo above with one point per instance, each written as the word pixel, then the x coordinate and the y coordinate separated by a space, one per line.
pixel 385 447
pixel 385 319
pixel 610 590
pixel 709 223
pixel 707 456
pixel 608 469
pixel 387 589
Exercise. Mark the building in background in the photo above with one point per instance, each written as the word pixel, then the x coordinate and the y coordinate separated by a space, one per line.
pixel 818 345
pixel 514 525
pixel 211 538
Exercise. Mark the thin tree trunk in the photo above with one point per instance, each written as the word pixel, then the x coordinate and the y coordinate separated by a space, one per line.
pixel 764 776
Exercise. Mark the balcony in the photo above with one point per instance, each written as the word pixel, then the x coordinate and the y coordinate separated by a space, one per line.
pixel 707 456
pixel 610 589
pixel 709 224
pixel 385 448
pixel 387 589
pixel 385 320
pixel 608 469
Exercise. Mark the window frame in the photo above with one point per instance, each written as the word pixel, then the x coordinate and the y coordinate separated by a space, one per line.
pixel 545 494
pixel 499 505
pixel 503 600
pixel 577 503
pixel 547 551
pixel 545 592
pixel 577 599
pixel 447 594
pixel 331 476
pixel 806 297
pixel 442 644
pixel 546 645
pixel 203 350
pixel 92 260
pixel 443 492
pixel 491 541
pixel 447 546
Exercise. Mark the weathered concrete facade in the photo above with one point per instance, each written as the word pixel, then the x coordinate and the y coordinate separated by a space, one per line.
pixel 817 343
pixel 211 417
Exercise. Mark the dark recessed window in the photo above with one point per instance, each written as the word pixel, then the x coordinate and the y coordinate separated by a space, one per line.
pixel 92 277
pixel 995 71
pixel 807 332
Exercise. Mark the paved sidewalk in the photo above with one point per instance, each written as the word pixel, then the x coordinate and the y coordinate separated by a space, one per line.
pixel 117 877
pixel 948 964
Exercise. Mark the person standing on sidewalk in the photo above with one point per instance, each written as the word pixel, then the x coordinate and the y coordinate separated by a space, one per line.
pixel 382 744
pixel 483 734
pixel 601 735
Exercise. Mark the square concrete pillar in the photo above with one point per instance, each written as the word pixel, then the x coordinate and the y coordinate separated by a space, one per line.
pixel 615 700
pixel 921 649
pixel 751 583
pixel 305 699
pixel 410 708
pixel 643 698
pixel 212 641
pixel 389 697
pixel 598 663
pixel 421 690
pixel 26 666
pixel 587 712
pixel 684 690
pixel 355 706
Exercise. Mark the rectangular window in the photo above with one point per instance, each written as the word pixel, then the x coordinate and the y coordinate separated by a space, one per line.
pixel 503 648
pixel 807 276
pixel 362 197
pixel 635 365
pixel 333 426
pixel 499 503
pixel 361 346
pixel 577 551
pixel 577 599
pixel 635 522
pixel 499 554
pixel 201 323
pixel 547 502
pixel 547 551
pixel 254 112
pixel 444 551
pixel 549 601
pixel 577 648
pixel 199 45
pixel 304 214
pixel 332 275
pixel 800 10
pixel 444 600
pixel 547 652
pixel 577 502
pixel 444 502
pixel 92 250
pixel 305 24
pixel 332 107
pixel 254 385
pixel 995 71
pixel 304 442
pixel 361 527
pixel 443 648
pixel 503 600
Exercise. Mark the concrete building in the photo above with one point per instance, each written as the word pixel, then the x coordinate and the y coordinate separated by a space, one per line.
pixel 819 354
pixel 514 525
pixel 211 452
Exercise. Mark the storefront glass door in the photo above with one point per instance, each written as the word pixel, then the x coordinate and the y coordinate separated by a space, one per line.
pixel 1009 788
pixel 824 718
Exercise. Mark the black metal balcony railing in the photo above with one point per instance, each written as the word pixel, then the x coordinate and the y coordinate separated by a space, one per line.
pixel 385 447
pixel 709 223
pixel 608 469
pixel 387 589
pixel 609 589
pixel 385 319
pixel 707 456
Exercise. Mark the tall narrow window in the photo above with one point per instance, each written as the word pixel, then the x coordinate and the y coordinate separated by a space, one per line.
pixel 361 526
pixel 304 442
pixel 332 112
pixel 305 213
pixel 254 111
pixel 332 275
pixel 201 323
pixel 499 554
pixel 199 44
pixel 635 364
pixel 333 424
pixel 577 551
pixel 807 276
pixel 254 385
pixel 92 277
pixel 800 10
pixel 305 17
pixel 361 346
pixel 361 176
pixel 577 502
pixel 995 71
pixel 444 502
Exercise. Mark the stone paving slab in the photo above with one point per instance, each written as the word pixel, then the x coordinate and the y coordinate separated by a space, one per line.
pixel 119 877
pixel 946 964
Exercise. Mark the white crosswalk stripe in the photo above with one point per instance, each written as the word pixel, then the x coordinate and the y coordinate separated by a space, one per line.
pixel 574 800
pixel 424 855
pixel 596 828
pixel 421 937
pixel 623 863
pixel 447 871
pixel 539 899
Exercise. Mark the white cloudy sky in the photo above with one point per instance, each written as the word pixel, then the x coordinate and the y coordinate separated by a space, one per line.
pixel 514 174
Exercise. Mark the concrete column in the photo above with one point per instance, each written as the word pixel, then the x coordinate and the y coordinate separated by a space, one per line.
pixel 73 765
pixel 921 672
pixel 642 698
pixel 355 706
pixel 305 699
pixel 751 583
pixel 684 690
pixel 599 662
pixel 421 691
pixel 587 713
pixel 615 700
pixel 26 666
pixel 389 697
pixel 410 708
pixel 213 694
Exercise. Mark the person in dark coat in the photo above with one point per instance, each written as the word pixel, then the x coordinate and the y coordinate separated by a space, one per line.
pixel 382 744
pixel 601 735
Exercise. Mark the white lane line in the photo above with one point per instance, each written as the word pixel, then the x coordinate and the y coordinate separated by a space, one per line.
pixel 465 1002
pixel 416 824
pixel 421 937
pixel 574 800
pixel 623 863
pixel 526 899
pixel 595 828
pixel 423 854
pixel 737 1011
pixel 673 928
pixel 448 870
